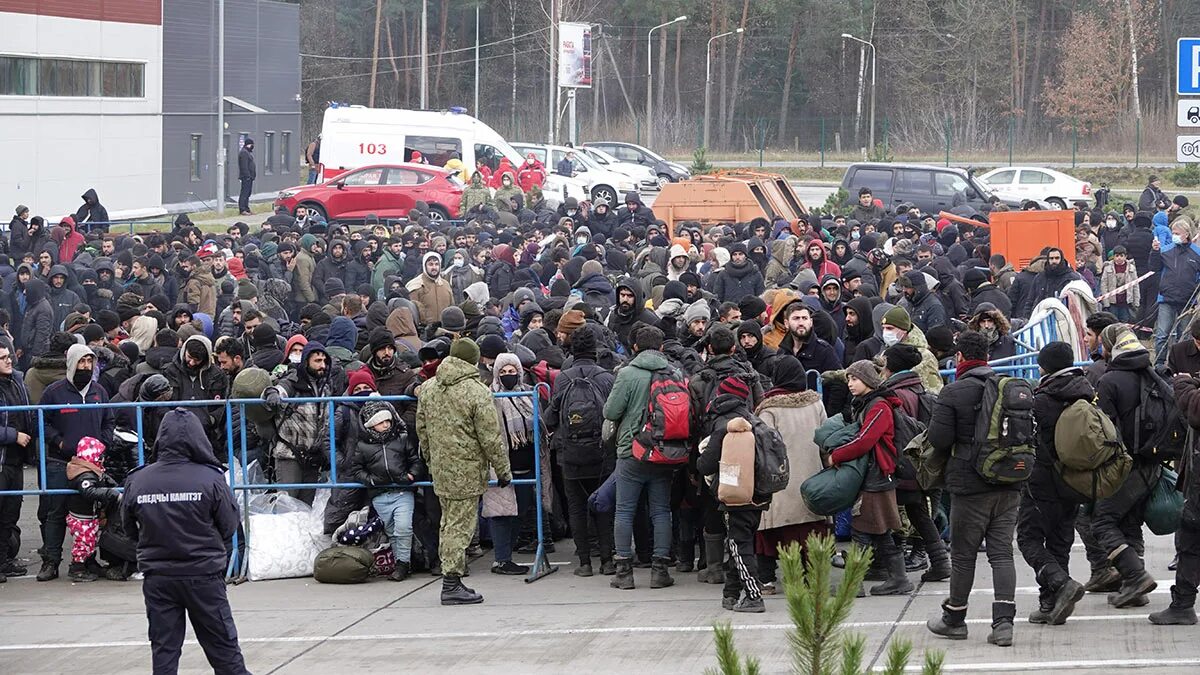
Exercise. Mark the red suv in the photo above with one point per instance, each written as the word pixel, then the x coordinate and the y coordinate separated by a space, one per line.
pixel 386 190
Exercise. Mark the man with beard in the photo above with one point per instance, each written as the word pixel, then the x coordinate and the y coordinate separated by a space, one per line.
pixel 634 213
pixel 194 376
pixel 739 278
pixel 64 426
pixel 1055 275
pixel 301 448
pixel 62 299
pixel 800 341
pixel 925 309
pixel 392 376
pixel 859 329
pixel 831 301
pixel 630 310
pixel 430 292
pixel 332 266
pixel 762 357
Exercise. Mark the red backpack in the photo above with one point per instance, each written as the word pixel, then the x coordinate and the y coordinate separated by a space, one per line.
pixel 666 437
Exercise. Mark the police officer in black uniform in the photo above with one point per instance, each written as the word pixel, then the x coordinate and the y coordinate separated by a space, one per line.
pixel 182 514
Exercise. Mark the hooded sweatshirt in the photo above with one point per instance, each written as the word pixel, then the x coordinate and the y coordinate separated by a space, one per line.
pixel 64 427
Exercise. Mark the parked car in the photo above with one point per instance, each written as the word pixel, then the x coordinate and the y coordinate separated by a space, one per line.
pixel 642 174
pixel 603 184
pixel 929 188
pixel 667 172
pixel 1046 185
pixel 386 190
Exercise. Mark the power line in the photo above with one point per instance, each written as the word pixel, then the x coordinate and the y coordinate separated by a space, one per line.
pixel 417 56
pixel 416 68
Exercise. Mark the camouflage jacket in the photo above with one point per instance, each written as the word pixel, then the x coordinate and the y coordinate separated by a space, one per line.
pixel 459 431
pixel 474 195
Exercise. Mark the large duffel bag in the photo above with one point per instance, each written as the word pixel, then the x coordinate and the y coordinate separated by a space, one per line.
pixel 835 489
pixel 343 565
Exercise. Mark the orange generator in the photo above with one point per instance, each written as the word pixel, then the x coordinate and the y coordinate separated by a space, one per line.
pixel 735 196
pixel 1020 236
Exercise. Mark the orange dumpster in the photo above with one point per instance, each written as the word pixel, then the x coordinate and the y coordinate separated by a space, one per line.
pixel 735 196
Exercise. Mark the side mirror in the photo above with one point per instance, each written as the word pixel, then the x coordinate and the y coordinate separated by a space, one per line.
pixel 341 185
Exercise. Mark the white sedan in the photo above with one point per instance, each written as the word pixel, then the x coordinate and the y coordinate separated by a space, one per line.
pixel 1018 183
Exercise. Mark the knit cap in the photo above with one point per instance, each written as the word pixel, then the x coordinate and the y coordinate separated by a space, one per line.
pixel 901 357
pixel 1056 356
pixel 465 349
pixel 735 387
pixel 866 372
pixel 454 320
pixel 570 321
pixel 898 318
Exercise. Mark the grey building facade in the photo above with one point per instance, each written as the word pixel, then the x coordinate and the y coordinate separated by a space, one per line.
pixel 262 96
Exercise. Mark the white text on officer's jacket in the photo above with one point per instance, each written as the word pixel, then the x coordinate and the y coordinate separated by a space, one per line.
pixel 163 497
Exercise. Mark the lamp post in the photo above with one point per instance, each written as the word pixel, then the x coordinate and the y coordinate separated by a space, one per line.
pixel 847 36
pixel 708 80
pixel 650 78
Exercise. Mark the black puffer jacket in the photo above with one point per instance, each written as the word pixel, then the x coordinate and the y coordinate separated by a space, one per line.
pixel 952 430
pixel 383 459
pixel 1187 396
pixel 734 282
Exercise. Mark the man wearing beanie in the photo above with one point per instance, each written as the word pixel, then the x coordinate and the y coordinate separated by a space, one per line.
pixel 753 308
pixel 979 511
pixel 490 347
pixel 460 439
pixel 897 328
pixel 570 321
pixel 627 405
pixel 1119 393
pixel 1046 519
pixel 695 319
pixel 453 321
pixel 574 418
pixel 928 549
pixel 391 374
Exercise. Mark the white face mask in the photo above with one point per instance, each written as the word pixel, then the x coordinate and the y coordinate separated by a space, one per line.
pixel 1110 223
pixel 293 358
pixel 890 337
pixel 1177 239
pixel 459 262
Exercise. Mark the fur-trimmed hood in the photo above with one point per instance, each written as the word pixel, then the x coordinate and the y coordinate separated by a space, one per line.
pixel 797 399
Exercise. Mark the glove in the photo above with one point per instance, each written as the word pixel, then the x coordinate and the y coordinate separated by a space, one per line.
pixel 503 481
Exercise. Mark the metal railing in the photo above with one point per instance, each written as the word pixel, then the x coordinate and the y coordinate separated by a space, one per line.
pixel 539 569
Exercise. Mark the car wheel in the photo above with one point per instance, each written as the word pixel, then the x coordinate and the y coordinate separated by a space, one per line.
pixel 663 179
pixel 1057 203
pixel 604 193
pixel 438 214
pixel 313 206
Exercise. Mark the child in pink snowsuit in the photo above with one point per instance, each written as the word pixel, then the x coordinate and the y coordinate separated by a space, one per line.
pixel 97 491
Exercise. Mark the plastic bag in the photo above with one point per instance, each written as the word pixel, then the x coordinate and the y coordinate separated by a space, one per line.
pixel 285 536
pixel 276 503
pixel 1165 506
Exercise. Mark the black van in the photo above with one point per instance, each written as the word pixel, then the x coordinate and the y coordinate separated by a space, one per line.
pixel 929 188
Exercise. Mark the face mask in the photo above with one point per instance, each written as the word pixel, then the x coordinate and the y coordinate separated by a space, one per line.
pixel 581 240
pixel 509 381
pixel 990 334
pixel 854 236
pixel 459 262
pixel 81 378
pixel 1177 239
pixel 890 338
pixel 293 358
pixel 571 212
pixel 1110 223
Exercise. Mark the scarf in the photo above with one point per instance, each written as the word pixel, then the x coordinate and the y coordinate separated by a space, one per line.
pixel 965 366
pixel 516 417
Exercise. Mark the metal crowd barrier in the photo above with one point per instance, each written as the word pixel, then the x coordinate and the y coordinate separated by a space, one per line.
pixel 131 222
pixel 540 568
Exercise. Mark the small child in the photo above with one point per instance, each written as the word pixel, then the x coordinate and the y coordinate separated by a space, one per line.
pixel 97 492
pixel 1118 272
pixel 385 455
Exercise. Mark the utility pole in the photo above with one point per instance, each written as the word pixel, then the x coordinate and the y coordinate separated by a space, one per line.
pixel 375 53
pixel 650 78
pixel 221 149
pixel 424 54
pixel 475 109
pixel 847 36
pixel 552 89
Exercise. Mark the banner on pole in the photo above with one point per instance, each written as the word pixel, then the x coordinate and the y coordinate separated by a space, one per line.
pixel 574 55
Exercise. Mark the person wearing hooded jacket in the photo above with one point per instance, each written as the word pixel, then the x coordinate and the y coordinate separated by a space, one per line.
pixel 64 426
pixel 62 299
pixel 332 266
pixel 29 239
pixel 994 327
pixel 628 311
pixel 859 328
pixel 634 213
pixel 923 307
pixel 1055 276
pixel 37 324
pixel 304 266
pixel 301 447
pixel 1178 265
pixel 182 545
pixel 501 273
pixel 195 376
pixel 430 292
pixel 92 211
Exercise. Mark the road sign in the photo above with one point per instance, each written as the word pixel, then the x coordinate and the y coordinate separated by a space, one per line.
pixel 1187 149
pixel 1189 113
pixel 1188 66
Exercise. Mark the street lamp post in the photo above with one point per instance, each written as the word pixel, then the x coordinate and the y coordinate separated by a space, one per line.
pixel 708 80
pixel 847 36
pixel 650 78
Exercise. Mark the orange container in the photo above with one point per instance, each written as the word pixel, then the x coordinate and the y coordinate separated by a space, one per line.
pixel 1021 235
pixel 728 197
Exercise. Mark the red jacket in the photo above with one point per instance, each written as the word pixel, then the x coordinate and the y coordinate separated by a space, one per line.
pixel 504 168
pixel 70 243
pixel 877 433
pixel 531 174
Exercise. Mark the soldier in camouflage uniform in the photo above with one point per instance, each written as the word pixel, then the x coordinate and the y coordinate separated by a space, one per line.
pixel 508 190
pixel 474 195
pixel 460 437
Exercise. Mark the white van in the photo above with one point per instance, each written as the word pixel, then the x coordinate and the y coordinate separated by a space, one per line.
pixel 354 136
pixel 603 184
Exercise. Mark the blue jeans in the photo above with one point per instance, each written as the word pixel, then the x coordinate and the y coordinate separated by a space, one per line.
pixel 396 510
pixel 1124 313
pixel 1162 331
pixel 312 176
pixel 632 478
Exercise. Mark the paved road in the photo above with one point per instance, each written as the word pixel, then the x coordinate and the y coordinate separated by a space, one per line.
pixel 559 624
pixel 810 164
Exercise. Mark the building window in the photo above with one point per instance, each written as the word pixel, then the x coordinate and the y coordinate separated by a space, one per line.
pixel 269 163
pixel 285 160
pixel 194 158
pixel 32 76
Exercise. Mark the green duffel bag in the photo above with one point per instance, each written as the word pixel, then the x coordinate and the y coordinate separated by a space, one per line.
pixel 1165 507
pixel 343 565
pixel 834 490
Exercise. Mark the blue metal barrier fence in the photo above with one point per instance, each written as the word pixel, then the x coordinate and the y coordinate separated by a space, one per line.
pixel 539 569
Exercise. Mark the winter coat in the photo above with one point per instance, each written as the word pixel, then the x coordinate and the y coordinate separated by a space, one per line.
pixel 246 168
pixel 795 416
pixel 734 282
pixel 303 290
pixel 622 324
pixel 388 265
pixel 499 277
pixel 301 427
pixel 461 278
pixel 91 211
pixel 925 309
pixel 377 462
pixel 1048 284
pixel 779 267
pixel 65 426
pixel 44 371
pixel 459 431
pixel 183 537
pixel 1187 397
pixel 330 267
pixel 200 291
pixel 204 383
pixel 952 431
pixel 1111 280
pixel 732 417
pixel 876 435
pixel 627 404
pixel 431 297
pixel 1119 393
pixel 1180 271
pixel 97 490
pixel 583 368
pixel 702 388
pixel 38 323
pixel 597 292
pixel 1053 395
pixel 14 393
pixel 988 292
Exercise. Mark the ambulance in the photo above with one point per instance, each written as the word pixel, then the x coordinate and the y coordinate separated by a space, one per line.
pixel 354 136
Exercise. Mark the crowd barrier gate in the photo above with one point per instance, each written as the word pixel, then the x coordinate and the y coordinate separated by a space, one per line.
pixel 540 567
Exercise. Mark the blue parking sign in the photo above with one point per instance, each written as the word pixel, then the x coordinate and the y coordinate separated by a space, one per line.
pixel 1188 62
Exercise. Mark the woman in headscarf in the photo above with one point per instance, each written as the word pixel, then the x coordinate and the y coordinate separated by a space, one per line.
pixel 141 332
pixel 795 412
pixel 505 505
pixel 404 329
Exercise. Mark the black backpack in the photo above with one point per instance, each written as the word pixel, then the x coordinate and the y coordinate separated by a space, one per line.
pixel 1160 432
pixel 581 422
pixel 905 428
pixel 771 468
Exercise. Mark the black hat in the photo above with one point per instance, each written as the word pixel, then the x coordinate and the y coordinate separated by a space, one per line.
pixel 92 333
pixel 453 319
pixel 1056 356
pixel 380 338
pixel 751 306
pixel 583 342
pixel 263 336
pixel 108 319
pixel 491 346
pixel 901 357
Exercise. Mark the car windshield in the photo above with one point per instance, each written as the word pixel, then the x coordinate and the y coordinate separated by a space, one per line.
pixel 602 156
pixel 653 155
pixel 985 192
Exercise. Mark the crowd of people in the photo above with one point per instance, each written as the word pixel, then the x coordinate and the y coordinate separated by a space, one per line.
pixel 822 333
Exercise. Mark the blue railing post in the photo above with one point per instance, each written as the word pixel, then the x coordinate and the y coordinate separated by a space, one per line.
pixel 141 443
pixel 541 565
